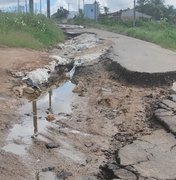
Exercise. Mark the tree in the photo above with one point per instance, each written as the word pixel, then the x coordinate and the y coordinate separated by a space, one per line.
pixel 141 5
pixel 106 10
pixel 154 8
pixel 62 13
pixel 157 9
pixel 170 14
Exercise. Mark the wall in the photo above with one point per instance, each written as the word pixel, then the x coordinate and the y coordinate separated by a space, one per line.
pixel 91 11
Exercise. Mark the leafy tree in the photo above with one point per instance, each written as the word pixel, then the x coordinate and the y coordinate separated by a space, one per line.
pixel 156 9
pixel 141 5
pixel 62 13
pixel 170 14
pixel 106 10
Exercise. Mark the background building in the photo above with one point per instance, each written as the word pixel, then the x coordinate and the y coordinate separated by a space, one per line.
pixel 128 15
pixel 91 11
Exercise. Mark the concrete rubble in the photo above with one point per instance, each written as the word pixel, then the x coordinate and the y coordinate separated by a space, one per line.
pixel 108 129
pixel 78 47
pixel 154 155
pixel 165 113
pixel 151 155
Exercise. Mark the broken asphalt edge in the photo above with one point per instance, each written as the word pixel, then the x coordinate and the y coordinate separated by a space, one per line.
pixel 134 77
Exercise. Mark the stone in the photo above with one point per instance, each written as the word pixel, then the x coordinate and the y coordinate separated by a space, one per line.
pixel 132 154
pixel 60 60
pixel 79 88
pixel 38 76
pixel 163 112
pixel 89 144
pixel 28 90
pixel 88 160
pixel 173 97
pixel 51 145
pixel 49 175
pixel 112 166
pixel 142 178
pixel 169 103
pixel 87 178
pixel 50 168
pixel 50 117
pixel 169 122
pixel 18 90
pixel 125 174
pixel 163 106
pixel 64 174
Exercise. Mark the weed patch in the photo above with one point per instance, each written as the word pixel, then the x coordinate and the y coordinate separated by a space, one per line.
pixel 27 30
pixel 158 32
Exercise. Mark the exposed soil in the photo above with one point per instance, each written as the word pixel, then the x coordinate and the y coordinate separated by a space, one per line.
pixel 13 59
pixel 106 115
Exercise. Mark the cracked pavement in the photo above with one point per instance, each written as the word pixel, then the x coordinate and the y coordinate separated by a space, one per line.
pixel 152 156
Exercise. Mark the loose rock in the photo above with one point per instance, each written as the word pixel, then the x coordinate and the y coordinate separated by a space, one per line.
pixel 50 117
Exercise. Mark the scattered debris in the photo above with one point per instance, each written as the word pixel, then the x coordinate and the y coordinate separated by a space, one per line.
pixel 50 117
pixel 51 145
pixel 106 127
pixel 79 88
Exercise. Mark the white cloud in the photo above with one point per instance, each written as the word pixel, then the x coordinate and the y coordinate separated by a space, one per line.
pixel 113 5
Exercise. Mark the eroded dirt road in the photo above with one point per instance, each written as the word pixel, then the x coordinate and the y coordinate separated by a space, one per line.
pixel 78 129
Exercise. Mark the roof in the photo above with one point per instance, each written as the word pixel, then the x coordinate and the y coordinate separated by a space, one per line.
pixel 130 13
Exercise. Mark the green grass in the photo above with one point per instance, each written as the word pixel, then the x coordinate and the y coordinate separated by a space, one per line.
pixel 161 33
pixel 28 31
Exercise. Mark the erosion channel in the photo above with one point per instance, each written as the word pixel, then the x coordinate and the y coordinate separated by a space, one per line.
pixel 79 119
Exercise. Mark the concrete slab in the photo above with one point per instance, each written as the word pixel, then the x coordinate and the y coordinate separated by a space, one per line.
pixel 166 114
pixel 152 156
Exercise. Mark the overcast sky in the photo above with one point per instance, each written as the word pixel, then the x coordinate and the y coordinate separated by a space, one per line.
pixel 113 5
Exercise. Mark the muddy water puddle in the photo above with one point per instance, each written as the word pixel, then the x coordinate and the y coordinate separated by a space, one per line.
pixel 56 102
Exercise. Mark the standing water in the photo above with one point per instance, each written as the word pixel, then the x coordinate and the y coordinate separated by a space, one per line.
pixel 174 86
pixel 56 101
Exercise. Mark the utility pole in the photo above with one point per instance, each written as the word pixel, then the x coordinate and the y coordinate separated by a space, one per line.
pixel 35 8
pixel 48 8
pixel 68 7
pixel 40 6
pixel 26 5
pixel 18 4
pixel 134 15
pixel 83 4
pixel 31 6
pixel 78 6
pixel 34 108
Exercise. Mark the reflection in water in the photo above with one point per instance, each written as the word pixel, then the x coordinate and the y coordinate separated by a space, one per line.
pixel 50 106
pixel 34 107
pixel 57 100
